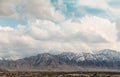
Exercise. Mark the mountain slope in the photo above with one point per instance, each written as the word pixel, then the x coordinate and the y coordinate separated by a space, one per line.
pixel 65 61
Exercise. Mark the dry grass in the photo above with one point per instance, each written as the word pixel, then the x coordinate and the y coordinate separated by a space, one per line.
pixel 56 74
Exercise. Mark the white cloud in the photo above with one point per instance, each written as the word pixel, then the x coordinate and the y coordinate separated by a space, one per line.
pixel 101 4
pixel 30 9
pixel 94 26
pixel 7 8
pixel 44 35
pixel 43 9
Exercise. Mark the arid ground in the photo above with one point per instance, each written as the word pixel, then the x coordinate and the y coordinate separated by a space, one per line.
pixel 59 74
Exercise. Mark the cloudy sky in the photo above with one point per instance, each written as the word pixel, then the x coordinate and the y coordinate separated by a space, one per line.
pixel 29 27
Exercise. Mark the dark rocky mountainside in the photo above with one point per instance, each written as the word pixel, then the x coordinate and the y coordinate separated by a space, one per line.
pixel 65 61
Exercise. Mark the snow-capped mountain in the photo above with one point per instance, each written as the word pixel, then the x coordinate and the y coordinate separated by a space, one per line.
pixel 67 60
pixel 106 54
pixel 9 58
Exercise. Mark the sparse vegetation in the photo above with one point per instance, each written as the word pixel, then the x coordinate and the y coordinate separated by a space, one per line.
pixel 58 74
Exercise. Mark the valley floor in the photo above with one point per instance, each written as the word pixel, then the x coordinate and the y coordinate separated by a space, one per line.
pixel 60 74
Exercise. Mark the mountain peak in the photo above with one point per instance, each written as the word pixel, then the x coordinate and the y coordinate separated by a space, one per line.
pixel 66 60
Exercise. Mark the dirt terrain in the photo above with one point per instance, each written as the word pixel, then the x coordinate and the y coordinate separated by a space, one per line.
pixel 59 74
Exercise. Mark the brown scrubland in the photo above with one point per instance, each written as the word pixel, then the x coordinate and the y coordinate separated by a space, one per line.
pixel 58 74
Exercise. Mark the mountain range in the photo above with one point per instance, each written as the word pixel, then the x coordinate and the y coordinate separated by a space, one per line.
pixel 69 61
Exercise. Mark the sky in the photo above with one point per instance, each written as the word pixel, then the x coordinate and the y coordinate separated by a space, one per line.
pixel 29 27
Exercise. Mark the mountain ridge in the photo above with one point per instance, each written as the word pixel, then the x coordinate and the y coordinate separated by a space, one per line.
pixel 65 61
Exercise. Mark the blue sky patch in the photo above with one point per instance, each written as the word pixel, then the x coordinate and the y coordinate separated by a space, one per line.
pixel 4 21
